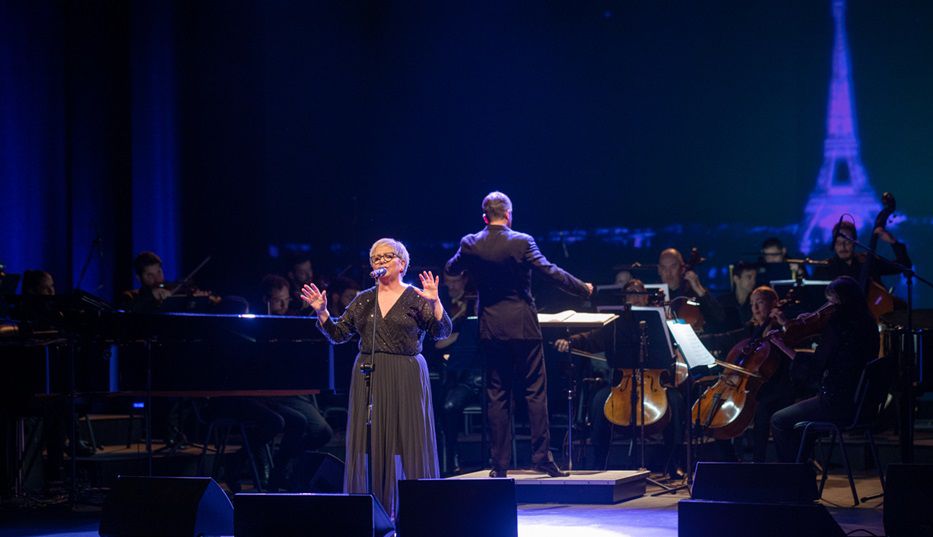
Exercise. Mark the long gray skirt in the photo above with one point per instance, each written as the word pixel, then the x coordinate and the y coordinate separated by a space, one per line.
pixel 403 443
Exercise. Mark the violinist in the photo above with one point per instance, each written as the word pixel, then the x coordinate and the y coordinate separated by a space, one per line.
pixel 684 282
pixel 778 391
pixel 849 340
pixel 152 292
pixel 847 262
pixel 626 340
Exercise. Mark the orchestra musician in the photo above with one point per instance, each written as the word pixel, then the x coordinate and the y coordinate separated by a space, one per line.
pixel 778 391
pixel 304 426
pixel 848 342
pixel 736 304
pixel 845 261
pixel 462 384
pixel 38 283
pixel 772 264
pixel 626 339
pixel 501 261
pixel 683 281
pixel 151 292
pixel 340 292
pixel 402 438
pixel 300 273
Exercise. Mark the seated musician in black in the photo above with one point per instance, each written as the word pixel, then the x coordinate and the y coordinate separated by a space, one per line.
pixel 772 264
pixel 775 394
pixel 340 292
pixel 152 291
pixel 736 304
pixel 35 308
pixel 848 342
pixel 847 262
pixel 686 283
pixel 300 272
pixel 304 426
pixel 462 379
pixel 627 344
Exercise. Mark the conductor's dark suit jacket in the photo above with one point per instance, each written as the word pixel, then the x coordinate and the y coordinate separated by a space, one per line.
pixel 500 262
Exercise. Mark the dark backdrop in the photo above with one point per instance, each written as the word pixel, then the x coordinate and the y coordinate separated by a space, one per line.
pixel 219 128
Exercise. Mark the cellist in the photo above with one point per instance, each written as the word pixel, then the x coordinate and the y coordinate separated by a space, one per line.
pixel 849 340
pixel 778 391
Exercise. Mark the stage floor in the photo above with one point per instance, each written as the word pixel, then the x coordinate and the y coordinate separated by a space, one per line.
pixel 646 516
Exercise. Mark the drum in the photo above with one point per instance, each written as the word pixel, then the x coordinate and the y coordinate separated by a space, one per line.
pixel 894 343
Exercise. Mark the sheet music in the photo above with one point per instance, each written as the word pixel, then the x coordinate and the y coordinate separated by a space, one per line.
pixel 576 318
pixel 695 353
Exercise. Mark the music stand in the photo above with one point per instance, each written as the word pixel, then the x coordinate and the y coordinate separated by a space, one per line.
pixel 698 360
pixel 809 295
pixel 660 351
pixel 616 295
pixel 570 320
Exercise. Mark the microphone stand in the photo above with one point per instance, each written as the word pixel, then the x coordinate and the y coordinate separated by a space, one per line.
pixel 367 368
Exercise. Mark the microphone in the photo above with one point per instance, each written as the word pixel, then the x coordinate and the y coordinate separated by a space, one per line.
pixel 378 273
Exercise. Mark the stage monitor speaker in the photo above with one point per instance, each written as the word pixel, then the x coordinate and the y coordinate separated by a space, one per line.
pixel 755 482
pixel 309 515
pixel 317 472
pixel 907 499
pixel 457 508
pixel 702 518
pixel 166 507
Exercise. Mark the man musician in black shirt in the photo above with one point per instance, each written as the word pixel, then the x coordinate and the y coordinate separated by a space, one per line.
pixel 847 262
pixel 683 281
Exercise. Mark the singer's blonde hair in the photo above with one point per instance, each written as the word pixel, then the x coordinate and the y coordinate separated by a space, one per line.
pixel 396 246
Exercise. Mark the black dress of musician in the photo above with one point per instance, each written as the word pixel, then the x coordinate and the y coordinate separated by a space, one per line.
pixel 849 341
pixel 403 441
pixel 500 262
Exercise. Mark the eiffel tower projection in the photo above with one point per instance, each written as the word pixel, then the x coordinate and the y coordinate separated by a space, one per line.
pixel 842 185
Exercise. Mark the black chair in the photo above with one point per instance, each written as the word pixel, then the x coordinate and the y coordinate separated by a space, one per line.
pixel 219 430
pixel 870 397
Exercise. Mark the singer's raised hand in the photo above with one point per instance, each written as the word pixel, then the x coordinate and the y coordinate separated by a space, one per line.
pixel 314 297
pixel 429 284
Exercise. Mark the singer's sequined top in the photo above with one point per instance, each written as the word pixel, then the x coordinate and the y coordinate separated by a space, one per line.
pixel 399 331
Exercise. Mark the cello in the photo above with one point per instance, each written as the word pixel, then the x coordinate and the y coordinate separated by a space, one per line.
pixel 727 407
pixel 647 407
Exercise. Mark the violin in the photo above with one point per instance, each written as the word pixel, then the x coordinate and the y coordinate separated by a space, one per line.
pixel 806 325
pixel 187 289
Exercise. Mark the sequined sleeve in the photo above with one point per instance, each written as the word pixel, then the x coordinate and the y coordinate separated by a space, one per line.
pixel 343 328
pixel 436 329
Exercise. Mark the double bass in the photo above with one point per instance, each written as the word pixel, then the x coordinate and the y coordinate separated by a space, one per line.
pixel 880 301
